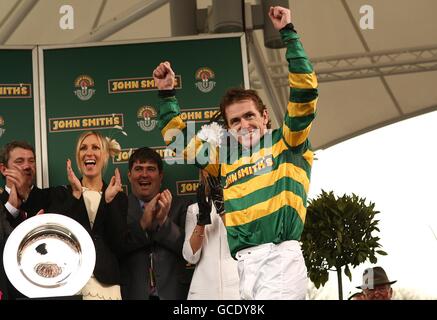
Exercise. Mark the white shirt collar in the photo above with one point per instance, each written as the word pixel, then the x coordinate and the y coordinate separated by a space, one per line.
pixel 8 190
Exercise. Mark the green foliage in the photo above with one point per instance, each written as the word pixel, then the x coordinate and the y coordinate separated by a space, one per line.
pixel 339 232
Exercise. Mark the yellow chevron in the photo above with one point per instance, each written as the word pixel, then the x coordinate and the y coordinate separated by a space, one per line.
pixel 176 123
pixel 298 109
pixel 275 150
pixel 302 80
pixel 266 180
pixel 262 209
pixel 295 138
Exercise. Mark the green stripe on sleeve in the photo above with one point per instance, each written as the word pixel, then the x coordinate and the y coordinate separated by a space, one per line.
pixel 303 95
pixel 264 194
pixel 168 109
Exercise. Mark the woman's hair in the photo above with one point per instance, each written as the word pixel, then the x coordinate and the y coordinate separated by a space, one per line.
pixel 109 147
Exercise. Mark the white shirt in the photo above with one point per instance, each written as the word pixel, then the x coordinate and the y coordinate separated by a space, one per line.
pixel 216 273
pixel 11 209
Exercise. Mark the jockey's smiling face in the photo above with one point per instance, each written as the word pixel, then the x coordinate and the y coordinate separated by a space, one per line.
pixel 246 122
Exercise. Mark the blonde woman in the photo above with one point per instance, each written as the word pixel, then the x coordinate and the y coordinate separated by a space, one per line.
pixel 97 207
pixel 100 208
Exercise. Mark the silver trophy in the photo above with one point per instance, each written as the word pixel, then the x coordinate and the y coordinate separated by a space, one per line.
pixel 49 255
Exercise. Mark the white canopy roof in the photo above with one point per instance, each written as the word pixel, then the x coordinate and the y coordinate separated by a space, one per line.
pixel 368 78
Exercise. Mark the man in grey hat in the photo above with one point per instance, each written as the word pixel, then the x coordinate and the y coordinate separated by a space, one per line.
pixel 376 285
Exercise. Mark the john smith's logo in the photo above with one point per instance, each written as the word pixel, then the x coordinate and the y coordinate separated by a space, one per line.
pixel 84 87
pixel 204 77
pixel 146 118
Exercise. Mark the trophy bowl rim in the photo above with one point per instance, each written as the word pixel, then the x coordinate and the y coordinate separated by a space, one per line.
pixel 59 228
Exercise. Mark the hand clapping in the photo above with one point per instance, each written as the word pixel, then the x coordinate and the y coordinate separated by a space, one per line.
pixel 114 186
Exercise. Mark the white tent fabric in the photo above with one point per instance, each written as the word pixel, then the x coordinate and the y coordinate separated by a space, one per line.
pixel 367 77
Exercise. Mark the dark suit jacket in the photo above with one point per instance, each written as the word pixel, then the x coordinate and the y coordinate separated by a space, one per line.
pixel 109 232
pixel 173 278
pixel 5 230
pixel 11 292
pixel 36 201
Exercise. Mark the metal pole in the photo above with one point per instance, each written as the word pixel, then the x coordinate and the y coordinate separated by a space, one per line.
pixel 119 22
pixel 272 38
pixel 183 17
pixel 16 19
pixel 226 16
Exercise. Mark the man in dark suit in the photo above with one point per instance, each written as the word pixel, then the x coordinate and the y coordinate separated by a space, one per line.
pixel 17 165
pixel 20 199
pixel 5 230
pixel 157 270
